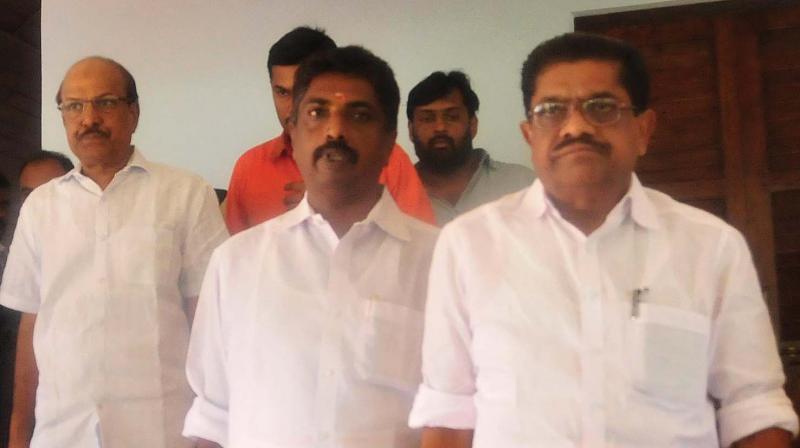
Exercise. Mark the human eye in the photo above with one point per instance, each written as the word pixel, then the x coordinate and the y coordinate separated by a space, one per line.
pixel 426 117
pixel 361 115
pixel 452 116
pixel 601 105
pixel 317 113
pixel 550 109
pixel 72 106
pixel 106 103
pixel 280 91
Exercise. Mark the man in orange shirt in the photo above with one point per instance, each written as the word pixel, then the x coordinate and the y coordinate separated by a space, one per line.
pixel 266 182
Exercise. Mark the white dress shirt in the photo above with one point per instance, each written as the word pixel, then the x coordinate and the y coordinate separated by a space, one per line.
pixel 652 331
pixel 107 273
pixel 303 340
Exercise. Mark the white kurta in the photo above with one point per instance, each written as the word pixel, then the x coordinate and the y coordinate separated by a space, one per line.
pixel 537 335
pixel 107 273
pixel 303 340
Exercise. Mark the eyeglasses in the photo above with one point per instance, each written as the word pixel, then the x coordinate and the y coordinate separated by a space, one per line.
pixel 104 104
pixel 597 111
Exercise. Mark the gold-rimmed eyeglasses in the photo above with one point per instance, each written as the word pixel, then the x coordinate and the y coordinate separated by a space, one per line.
pixel 601 111
pixel 104 104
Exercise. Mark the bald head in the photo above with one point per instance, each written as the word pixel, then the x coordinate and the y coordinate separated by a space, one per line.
pixel 130 84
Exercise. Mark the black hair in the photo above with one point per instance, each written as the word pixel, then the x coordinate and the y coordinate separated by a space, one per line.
pixel 298 45
pixel 40 156
pixel 438 85
pixel 357 62
pixel 571 47
pixel 4 183
pixel 131 94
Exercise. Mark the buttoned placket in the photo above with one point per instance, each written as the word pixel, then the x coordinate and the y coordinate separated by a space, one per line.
pixel 330 364
pixel 593 343
pixel 581 259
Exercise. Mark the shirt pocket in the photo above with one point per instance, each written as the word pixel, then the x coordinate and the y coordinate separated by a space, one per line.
pixel 669 355
pixel 388 345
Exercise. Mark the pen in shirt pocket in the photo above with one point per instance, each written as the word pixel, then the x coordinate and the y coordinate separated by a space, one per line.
pixel 636 300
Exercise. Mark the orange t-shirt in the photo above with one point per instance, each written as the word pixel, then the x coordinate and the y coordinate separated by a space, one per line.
pixel 256 189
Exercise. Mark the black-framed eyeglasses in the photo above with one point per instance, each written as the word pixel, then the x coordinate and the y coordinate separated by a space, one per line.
pixel 103 104
pixel 597 111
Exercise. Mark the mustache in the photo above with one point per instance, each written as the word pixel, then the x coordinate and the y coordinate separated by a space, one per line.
pixel 585 139
pixel 441 138
pixel 95 129
pixel 350 154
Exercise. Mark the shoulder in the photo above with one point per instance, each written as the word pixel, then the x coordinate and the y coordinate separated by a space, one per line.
pixel 176 177
pixel 686 221
pixel 490 217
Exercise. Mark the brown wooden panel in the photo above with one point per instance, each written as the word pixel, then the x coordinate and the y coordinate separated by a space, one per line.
pixel 786 222
pixel 714 206
pixel 779 51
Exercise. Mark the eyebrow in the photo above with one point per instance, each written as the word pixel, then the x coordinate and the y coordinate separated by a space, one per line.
pixel 601 94
pixel 95 97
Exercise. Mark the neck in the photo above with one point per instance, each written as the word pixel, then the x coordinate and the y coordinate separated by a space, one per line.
pixel 343 210
pixel 586 206
pixel 102 171
pixel 449 185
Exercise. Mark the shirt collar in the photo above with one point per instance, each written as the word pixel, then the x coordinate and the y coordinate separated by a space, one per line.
pixel 136 162
pixel 283 150
pixel 635 202
pixel 385 214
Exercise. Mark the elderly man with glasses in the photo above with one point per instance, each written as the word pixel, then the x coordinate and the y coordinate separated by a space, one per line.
pixel 106 265
pixel 587 310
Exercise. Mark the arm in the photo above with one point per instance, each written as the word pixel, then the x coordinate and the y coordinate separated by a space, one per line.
pixel 446 438
pixel 445 397
pixel 745 371
pixel 768 438
pixel 26 379
pixel 206 361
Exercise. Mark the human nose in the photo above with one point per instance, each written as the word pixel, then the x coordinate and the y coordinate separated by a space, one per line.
pixel 90 115
pixel 440 124
pixel 335 126
pixel 575 123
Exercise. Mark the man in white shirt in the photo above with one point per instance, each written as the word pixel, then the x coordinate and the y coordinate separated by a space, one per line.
pixel 309 327
pixel 587 310
pixel 106 264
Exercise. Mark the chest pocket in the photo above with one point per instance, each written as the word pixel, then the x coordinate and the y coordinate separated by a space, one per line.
pixel 388 345
pixel 669 355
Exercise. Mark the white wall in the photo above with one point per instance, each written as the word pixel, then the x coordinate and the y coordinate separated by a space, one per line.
pixel 200 65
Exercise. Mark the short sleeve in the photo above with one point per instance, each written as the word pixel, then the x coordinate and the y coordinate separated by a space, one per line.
pixel 746 375
pixel 445 398
pixel 205 366
pixel 205 231
pixel 20 287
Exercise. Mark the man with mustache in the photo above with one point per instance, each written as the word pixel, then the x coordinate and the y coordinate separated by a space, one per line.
pixel 588 310
pixel 442 122
pixel 266 181
pixel 309 326
pixel 106 265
